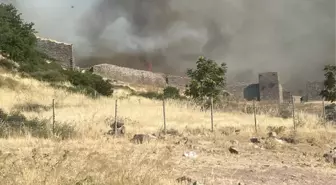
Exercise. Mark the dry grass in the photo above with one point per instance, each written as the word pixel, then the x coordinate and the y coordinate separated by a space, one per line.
pixel 93 158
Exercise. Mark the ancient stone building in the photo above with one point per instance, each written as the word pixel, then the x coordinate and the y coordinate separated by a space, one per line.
pixel 270 88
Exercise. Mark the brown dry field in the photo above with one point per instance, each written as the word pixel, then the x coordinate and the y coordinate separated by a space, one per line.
pixel 93 158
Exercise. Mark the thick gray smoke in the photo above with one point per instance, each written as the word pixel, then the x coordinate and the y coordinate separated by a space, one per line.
pixel 294 37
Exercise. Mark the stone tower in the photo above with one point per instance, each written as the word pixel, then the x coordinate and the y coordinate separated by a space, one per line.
pixel 270 88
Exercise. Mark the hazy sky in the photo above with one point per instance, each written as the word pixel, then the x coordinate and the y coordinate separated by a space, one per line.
pixel 293 37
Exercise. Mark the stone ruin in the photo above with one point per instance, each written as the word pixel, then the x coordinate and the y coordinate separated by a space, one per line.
pixel 59 51
pixel 268 88
pixel 134 76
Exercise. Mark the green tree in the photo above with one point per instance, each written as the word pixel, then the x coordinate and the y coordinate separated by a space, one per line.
pixel 329 92
pixel 17 38
pixel 207 80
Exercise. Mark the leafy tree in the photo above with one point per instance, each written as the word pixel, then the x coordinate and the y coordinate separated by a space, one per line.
pixel 329 92
pixel 17 38
pixel 207 80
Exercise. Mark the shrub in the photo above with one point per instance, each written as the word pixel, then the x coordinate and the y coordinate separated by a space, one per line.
pixel 9 83
pixel 150 95
pixel 31 107
pixel 7 64
pixel 90 82
pixel 16 124
pixel 171 93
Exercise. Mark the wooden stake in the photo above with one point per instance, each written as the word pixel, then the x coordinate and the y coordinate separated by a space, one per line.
pixel 255 117
pixel 115 118
pixel 212 126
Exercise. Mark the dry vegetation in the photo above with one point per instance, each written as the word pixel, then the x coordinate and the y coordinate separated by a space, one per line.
pixel 86 156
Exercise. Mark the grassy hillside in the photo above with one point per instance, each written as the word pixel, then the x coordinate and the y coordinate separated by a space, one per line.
pixel 83 154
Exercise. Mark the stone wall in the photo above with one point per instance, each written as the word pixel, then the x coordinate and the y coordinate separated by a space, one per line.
pixel 269 87
pixel 313 90
pixel 129 75
pixel 59 51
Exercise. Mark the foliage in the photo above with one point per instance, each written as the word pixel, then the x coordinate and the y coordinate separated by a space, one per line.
pixel 17 37
pixel 18 125
pixel 18 42
pixel 208 80
pixel 168 93
pixel 150 95
pixel 329 92
pixel 171 93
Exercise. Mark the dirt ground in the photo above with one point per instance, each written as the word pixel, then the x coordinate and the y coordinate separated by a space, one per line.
pixel 282 164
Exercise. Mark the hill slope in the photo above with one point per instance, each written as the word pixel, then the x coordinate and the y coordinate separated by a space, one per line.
pixel 90 157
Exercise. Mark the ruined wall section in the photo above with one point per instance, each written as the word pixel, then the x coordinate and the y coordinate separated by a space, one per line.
pixel 59 51
pixel 270 88
pixel 313 90
pixel 129 75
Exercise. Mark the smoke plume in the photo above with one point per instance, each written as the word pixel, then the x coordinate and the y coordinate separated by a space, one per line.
pixel 294 38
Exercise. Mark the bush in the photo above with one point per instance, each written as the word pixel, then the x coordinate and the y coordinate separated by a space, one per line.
pixel 171 93
pixel 168 93
pixel 10 83
pixel 7 64
pixel 90 82
pixel 16 124
pixel 150 95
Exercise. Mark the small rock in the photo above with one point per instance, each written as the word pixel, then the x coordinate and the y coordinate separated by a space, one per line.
pixel 234 142
pixel 233 150
pixel 237 131
pixel 272 134
pixel 255 140
pixel 184 179
pixel 330 157
pixel 190 154
pixel 187 180
pixel 289 140
pixel 279 141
